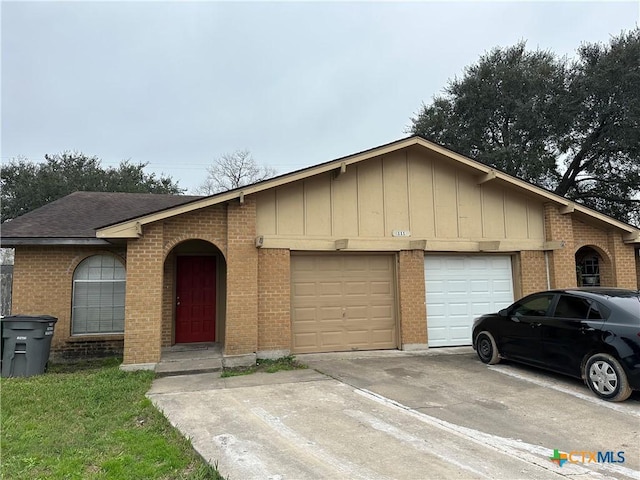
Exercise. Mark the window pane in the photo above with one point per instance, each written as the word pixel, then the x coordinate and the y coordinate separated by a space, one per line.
pixel 99 296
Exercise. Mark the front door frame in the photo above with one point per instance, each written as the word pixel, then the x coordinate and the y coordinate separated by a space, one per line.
pixel 178 338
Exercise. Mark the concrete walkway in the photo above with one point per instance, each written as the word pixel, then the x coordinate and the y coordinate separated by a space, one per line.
pixel 394 416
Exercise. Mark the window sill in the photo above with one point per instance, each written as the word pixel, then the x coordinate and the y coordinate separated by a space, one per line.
pixel 96 337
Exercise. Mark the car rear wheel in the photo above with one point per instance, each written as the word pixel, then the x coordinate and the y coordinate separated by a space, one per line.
pixel 606 378
pixel 487 349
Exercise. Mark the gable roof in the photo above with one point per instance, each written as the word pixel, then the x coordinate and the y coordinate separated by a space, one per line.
pixel 100 218
pixel 75 218
pixel 132 227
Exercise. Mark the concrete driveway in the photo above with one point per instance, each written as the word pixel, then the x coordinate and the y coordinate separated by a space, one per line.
pixel 397 415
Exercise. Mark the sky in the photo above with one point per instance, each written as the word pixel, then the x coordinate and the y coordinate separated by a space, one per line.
pixel 178 84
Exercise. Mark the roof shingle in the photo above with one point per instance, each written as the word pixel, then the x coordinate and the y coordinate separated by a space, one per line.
pixel 79 215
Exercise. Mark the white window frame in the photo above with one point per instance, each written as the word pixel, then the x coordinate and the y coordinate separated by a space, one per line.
pixel 108 312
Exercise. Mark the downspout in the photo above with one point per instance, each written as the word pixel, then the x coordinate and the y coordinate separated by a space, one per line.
pixel 546 264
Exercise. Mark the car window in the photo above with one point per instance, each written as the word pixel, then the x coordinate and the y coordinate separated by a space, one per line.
pixel 630 304
pixel 533 306
pixel 572 307
pixel 598 311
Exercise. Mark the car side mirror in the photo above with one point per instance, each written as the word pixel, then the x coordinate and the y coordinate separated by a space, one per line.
pixel 504 312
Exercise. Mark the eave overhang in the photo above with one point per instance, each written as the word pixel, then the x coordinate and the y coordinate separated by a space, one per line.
pixel 10 242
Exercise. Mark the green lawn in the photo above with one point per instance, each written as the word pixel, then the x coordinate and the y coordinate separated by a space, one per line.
pixel 90 421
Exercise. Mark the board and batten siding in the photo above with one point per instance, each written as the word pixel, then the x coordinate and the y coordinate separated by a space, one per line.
pixel 407 190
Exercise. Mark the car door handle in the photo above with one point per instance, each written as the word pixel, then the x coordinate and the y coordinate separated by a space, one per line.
pixel 535 324
pixel 587 329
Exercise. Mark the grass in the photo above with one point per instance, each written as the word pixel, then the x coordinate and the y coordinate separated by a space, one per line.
pixel 264 365
pixel 91 421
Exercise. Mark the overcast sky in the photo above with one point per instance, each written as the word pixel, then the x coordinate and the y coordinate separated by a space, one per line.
pixel 177 84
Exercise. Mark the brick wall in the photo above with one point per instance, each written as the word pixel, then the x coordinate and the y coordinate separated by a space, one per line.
pixel 533 271
pixel 168 300
pixel 43 285
pixel 562 262
pixel 274 300
pixel 242 279
pixel 624 267
pixel 588 236
pixel 411 288
pixel 81 348
pixel 209 224
pixel 617 264
pixel 143 312
pixel 150 278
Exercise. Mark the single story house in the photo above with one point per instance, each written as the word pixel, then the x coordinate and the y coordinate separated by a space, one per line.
pixel 396 247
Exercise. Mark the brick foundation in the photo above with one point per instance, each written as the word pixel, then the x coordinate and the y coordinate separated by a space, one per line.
pixel 77 349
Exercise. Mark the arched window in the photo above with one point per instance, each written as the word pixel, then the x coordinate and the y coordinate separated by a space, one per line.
pixel 98 296
pixel 588 267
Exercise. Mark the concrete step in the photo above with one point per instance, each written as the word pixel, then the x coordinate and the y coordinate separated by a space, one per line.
pixel 188 366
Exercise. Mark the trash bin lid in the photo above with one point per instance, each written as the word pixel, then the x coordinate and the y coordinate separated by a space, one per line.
pixel 29 318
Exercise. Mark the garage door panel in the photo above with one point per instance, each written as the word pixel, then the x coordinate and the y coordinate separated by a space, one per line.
pixel 305 314
pixel 454 264
pixel 354 302
pixel 328 264
pixel 383 312
pixel 501 286
pixel 360 288
pixel 458 310
pixel 331 339
pixel 460 288
pixel 479 308
pixel 358 338
pixel 381 288
pixel 328 314
pixel 356 312
pixel 304 264
pixel 306 340
pixel 382 336
pixel 305 289
pixel 329 288
pixel 380 264
pixel 479 287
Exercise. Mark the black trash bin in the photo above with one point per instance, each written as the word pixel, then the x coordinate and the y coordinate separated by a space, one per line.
pixel 26 343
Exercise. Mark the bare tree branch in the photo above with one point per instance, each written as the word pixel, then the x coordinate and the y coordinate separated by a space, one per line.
pixel 233 170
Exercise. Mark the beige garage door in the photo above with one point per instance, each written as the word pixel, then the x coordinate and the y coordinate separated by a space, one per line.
pixel 342 302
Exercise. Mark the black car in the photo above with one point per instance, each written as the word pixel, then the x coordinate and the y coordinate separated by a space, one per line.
pixel 589 333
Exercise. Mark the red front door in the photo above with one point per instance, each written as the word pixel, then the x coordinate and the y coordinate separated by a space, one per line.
pixel 196 299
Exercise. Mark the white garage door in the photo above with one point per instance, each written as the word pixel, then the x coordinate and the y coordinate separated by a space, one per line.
pixel 342 302
pixel 460 288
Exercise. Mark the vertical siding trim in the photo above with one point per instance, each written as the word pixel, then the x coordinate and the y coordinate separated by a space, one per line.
pixel 332 204
pixel 528 213
pixel 304 208
pixel 406 170
pixel 408 165
pixel 277 209
pixel 357 203
pixel 385 232
pixel 504 213
pixel 458 229
pixel 433 198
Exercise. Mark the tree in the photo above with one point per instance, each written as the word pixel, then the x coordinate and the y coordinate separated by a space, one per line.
pixel 233 170
pixel 572 127
pixel 26 185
